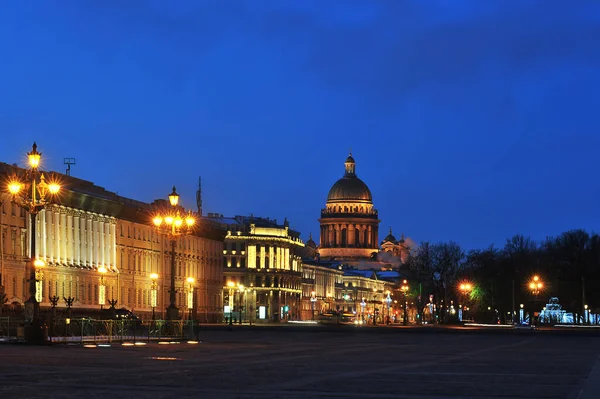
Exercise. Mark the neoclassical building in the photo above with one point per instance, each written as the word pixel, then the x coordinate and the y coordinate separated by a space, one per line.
pixel 262 269
pixel 349 221
pixel 90 230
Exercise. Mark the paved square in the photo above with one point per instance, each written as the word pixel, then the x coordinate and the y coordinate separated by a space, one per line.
pixel 284 363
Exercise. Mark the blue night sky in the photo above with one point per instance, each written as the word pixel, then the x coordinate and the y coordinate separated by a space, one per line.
pixel 469 120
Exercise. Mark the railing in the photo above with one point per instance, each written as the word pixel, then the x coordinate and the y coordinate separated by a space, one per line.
pixel 8 329
pixel 86 330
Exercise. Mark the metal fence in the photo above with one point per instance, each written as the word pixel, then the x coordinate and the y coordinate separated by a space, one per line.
pixel 87 330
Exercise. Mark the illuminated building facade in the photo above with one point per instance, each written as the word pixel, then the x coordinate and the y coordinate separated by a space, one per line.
pixel 349 222
pixel 262 269
pixel 399 249
pixel 321 289
pixel 98 247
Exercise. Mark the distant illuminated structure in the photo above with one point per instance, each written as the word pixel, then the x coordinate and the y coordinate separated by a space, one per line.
pixel 349 222
pixel 264 258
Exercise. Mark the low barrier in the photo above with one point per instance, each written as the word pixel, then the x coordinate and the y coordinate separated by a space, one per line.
pixel 87 330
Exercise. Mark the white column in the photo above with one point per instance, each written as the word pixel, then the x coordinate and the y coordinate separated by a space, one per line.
pixel 56 237
pixel 96 242
pixel 262 256
pixel 271 256
pixel 63 238
pixel 113 244
pixel 69 241
pixel 107 247
pixel 83 239
pixel 90 242
pixel 76 243
pixel 101 237
pixel 286 257
pixel 42 218
pixel 49 233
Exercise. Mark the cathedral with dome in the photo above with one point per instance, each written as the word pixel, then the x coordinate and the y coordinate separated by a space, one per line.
pixel 350 226
pixel 349 221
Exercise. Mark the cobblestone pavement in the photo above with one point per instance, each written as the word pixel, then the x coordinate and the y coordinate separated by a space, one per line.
pixel 293 364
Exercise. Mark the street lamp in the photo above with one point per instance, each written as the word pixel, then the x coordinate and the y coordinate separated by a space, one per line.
pixel 363 303
pixel 102 288
pixel 231 286
pixel 313 300
pixel 404 288
pixel 32 193
pixel 173 225
pixel 190 296
pixel 388 300
pixel 153 293
pixel 241 289
pixel 536 285
pixel 465 289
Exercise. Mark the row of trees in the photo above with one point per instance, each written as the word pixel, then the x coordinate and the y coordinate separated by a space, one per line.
pixel 568 265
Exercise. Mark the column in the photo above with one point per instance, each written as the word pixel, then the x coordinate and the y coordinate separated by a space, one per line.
pixel 76 243
pixel 56 237
pixel 100 257
pixel 286 257
pixel 350 235
pixel 96 238
pixel 49 233
pixel 90 242
pixel 113 244
pixel 279 258
pixel 69 242
pixel 83 240
pixel 251 256
pixel 42 217
pixel 271 256
pixel 370 237
pixel 63 238
pixel 262 256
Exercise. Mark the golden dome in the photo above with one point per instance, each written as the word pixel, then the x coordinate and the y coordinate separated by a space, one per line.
pixel 349 187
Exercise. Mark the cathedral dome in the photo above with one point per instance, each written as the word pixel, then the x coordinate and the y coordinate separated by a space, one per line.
pixel 390 237
pixel 349 187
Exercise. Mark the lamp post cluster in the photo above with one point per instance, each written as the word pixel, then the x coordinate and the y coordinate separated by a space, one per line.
pixel 32 192
pixel 465 290
pixel 240 287
pixel 313 300
pixel 154 293
pixel 404 289
pixel 170 223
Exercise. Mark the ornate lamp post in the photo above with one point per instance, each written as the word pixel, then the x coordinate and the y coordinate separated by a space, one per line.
pixel 404 288
pixel 102 287
pixel 32 193
pixel 388 301
pixel 313 300
pixel 363 303
pixel 241 289
pixel 465 289
pixel 190 296
pixel 536 286
pixel 153 293
pixel 231 286
pixel 171 224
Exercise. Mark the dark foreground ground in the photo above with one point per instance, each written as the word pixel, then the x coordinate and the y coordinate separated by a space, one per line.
pixel 327 364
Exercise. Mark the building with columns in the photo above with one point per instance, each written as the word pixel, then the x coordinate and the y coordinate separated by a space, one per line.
pixel 349 221
pixel 321 288
pixel 262 269
pixel 90 230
